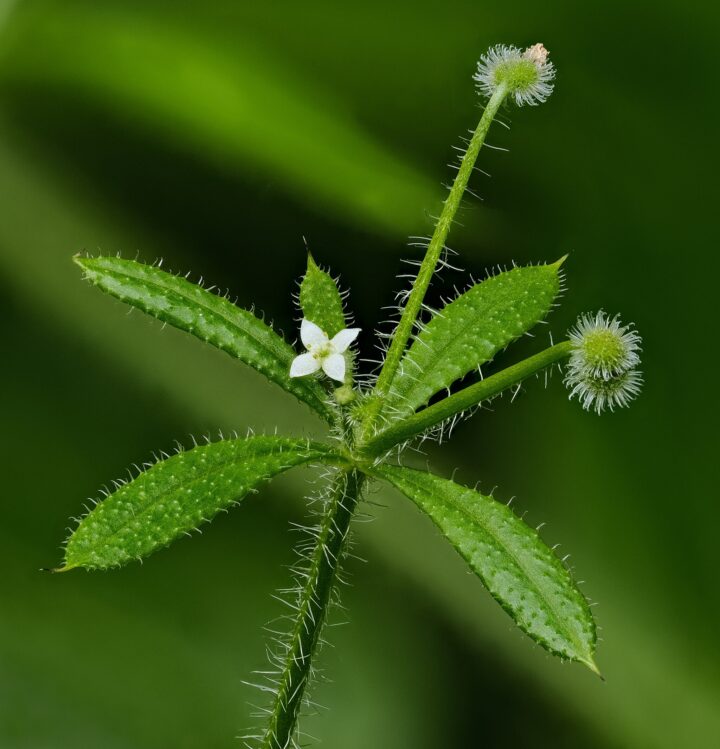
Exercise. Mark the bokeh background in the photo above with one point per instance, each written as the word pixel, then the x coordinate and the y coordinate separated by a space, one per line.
pixel 224 135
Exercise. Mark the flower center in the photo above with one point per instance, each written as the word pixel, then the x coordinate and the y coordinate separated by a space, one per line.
pixel 322 350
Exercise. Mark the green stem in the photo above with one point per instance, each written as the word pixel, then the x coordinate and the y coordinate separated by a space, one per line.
pixel 465 399
pixel 435 247
pixel 312 609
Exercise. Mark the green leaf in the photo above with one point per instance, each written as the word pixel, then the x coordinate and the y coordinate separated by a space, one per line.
pixel 518 569
pixel 207 316
pixel 469 331
pixel 320 299
pixel 176 495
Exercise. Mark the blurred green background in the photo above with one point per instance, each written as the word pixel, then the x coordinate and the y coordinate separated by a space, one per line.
pixel 220 135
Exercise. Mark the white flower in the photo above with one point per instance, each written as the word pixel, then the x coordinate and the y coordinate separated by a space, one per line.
pixel 322 352
pixel 528 75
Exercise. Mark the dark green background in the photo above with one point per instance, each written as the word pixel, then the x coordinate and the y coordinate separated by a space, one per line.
pixel 217 136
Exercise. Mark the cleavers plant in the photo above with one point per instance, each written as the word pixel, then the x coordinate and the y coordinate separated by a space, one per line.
pixel 371 419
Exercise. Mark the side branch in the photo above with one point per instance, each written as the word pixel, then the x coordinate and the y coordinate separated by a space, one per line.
pixel 464 399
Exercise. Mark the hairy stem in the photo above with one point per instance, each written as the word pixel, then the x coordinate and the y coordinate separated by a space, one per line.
pixel 465 398
pixel 432 256
pixel 312 606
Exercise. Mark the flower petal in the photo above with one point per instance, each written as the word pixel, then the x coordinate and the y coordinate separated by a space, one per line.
pixel 304 364
pixel 334 367
pixel 311 335
pixel 344 338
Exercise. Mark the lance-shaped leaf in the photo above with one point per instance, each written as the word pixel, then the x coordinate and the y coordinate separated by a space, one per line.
pixel 177 494
pixel 518 569
pixel 320 300
pixel 469 331
pixel 207 316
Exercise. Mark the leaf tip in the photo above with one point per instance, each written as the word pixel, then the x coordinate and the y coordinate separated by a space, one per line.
pixel 311 264
pixel 82 261
pixel 559 263
pixel 590 663
pixel 55 570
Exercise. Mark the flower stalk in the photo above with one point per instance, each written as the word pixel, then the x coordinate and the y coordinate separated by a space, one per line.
pixel 432 256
